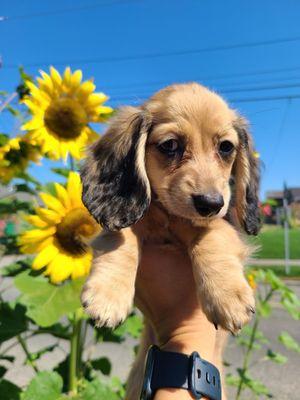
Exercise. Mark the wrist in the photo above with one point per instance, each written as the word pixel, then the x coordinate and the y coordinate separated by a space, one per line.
pixel 197 334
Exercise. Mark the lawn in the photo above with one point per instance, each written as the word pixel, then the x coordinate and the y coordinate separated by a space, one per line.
pixel 271 240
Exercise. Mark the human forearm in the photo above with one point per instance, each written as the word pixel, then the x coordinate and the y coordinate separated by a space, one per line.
pixel 201 340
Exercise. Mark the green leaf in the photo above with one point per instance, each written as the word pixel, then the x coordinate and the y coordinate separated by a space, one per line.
pixel 27 177
pixel 13 206
pixel 132 326
pixel 58 330
pixel 291 308
pixel 276 357
pixel 104 334
pixel 289 342
pixel 274 281
pixel 12 321
pixel 9 391
pixel 23 187
pixel 232 380
pixel 96 390
pixel 15 268
pixel 49 188
pixel 61 171
pixel 255 386
pixel 3 139
pixel 102 364
pixel 264 309
pixel 45 385
pixel 47 303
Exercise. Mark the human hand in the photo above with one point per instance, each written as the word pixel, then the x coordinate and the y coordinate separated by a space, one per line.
pixel 165 293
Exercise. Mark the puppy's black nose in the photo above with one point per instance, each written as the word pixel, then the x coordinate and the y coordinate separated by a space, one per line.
pixel 208 204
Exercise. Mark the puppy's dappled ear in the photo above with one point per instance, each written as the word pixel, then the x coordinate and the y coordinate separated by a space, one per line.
pixel 246 175
pixel 116 190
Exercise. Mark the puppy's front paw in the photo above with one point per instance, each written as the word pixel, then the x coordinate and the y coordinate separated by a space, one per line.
pixel 107 305
pixel 230 306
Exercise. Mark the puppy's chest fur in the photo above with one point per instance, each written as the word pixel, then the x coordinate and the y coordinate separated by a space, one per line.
pixel 159 228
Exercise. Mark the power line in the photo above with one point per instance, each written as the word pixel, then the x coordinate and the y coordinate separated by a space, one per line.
pixel 232 90
pixel 63 10
pixel 267 98
pixel 205 78
pixel 259 88
pixel 224 89
pixel 232 100
pixel 112 59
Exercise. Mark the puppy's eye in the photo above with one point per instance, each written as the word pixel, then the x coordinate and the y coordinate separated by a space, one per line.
pixel 226 148
pixel 169 147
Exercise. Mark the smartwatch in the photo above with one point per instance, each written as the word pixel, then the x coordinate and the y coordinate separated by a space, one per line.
pixel 166 369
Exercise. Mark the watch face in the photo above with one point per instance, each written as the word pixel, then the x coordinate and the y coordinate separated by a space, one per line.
pixel 146 389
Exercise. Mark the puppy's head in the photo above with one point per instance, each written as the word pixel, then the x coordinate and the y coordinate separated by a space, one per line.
pixel 185 146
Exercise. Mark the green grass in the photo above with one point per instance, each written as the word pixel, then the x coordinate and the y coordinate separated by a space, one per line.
pixel 271 240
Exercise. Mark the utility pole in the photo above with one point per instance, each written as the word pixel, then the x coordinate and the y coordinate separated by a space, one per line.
pixel 286 215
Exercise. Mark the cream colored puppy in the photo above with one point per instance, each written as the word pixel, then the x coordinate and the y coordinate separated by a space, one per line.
pixel 177 171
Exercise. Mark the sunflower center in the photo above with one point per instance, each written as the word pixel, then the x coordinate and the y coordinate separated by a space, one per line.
pixel 74 228
pixel 66 118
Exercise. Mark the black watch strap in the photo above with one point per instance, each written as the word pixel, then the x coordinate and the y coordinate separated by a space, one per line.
pixel 177 370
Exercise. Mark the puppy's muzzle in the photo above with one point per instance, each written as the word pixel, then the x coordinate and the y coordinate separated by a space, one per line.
pixel 209 204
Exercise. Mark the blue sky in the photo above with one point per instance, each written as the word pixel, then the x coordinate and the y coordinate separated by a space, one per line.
pixel 244 50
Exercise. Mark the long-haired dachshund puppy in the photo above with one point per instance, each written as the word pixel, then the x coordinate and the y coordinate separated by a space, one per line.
pixel 179 171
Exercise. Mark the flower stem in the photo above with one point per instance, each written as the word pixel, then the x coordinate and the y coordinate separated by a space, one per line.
pixel 74 344
pixel 250 346
pixel 26 351
pixel 247 358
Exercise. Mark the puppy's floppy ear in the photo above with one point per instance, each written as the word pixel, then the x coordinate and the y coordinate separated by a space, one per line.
pixel 116 189
pixel 246 172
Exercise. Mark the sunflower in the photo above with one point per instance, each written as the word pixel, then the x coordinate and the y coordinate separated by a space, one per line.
pixel 61 108
pixel 15 156
pixel 61 231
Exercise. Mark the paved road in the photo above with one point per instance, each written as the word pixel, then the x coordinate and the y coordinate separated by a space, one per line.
pixel 283 381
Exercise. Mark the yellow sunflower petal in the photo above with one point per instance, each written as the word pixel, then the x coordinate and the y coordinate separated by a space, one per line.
pixel 85 89
pixel 74 188
pixel 53 203
pixel 60 268
pixel 67 76
pixel 76 79
pixel 79 269
pixel 96 99
pixel 55 76
pixel 36 221
pixel 46 82
pixel 49 216
pixel 62 195
pixel 35 247
pixel 34 123
pixel 45 257
pixel 35 235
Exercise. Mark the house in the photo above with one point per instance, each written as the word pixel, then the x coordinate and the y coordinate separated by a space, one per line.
pixel 275 198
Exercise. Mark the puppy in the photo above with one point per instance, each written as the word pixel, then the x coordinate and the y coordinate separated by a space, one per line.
pixel 177 171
